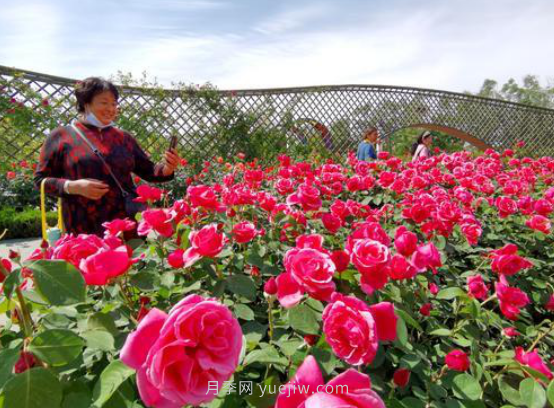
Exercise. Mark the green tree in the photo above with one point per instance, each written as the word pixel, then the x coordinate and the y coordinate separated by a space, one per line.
pixel 529 92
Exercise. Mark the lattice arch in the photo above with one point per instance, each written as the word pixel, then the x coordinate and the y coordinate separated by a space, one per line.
pixel 339 114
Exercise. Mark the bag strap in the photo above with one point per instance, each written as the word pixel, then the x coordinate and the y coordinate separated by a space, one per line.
pixel 43 211
pixel 99 155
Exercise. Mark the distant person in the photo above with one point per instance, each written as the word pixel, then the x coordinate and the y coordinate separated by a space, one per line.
pixel 420 149
pixel 366 149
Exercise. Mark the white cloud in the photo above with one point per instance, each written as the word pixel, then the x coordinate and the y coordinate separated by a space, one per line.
pixel 450 45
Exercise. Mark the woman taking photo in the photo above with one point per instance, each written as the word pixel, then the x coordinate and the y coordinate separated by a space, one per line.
pixel 89 164
pixel 420 149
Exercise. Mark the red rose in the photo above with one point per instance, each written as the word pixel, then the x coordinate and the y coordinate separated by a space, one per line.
pixel 401 377
pixel 506 261
pixel 405 241
pixel 457 360
pixel 331 222
pixel 425 309
pixel 476 287
pixel 539 223
pixel 244 232
pixel 506 206
pixel 175 259
pixel 511 300
pixel 341 260
pixel 206 242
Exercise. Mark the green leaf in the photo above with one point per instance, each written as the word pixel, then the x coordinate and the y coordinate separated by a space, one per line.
pixel 99 339
pixel 268 355
pixel 244 312
pixel 303 320
pixel 57 347
pixel 466 387
pixel 8 358
pixel 408 319
pixel 532 393
pixel 549 392
pixel 34 388
pixel 401 332
pixel 110 380
pixel 242 285
pixel 509 393
pixel 12 282
pixel 102 321
pixel 59 282
pixel 450 293
pixel 441 332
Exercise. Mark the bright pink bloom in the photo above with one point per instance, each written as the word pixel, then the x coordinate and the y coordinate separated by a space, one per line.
pixel 156 220
pixel 306 196
pixel 510 332
pixel 270 287
pixel 331 222
pixel 511 300
pixel 115 227
pixel 206 242
pixel 426 256
pixel 10 175
pixel 543 207
pixel 341 260
pixel 506 206
pixel 433 289
pixel 506 261
pixel 369 255
pixel 307 390
pixel 400 268
pixel 405 241
pixel 147 194
pixel 289 292
pixel 244 232
pixel 457 360
pixel 205 197
pixel 476 287
pixel 175 259
pixel 472 232
pixel 533 360
pixel 313 270
pixel 539 223
pixel 176 355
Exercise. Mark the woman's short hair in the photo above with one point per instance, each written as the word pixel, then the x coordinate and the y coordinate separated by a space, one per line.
pixel 87 89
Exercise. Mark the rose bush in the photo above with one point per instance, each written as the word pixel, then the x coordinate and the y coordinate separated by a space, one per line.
pixel 301 284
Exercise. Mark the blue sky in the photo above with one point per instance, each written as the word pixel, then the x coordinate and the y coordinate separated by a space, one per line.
pixel 441 44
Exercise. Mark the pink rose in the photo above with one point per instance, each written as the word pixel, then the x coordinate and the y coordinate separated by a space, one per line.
pixel 341 260
pixel 98 260
pixel 156 220
pixel 506 261
pixel 511 300
pixel 457 360
pixel 313 271
pixel 147 194
pixel 354 329
pixel 426 256
pixel 539 223
pixel 476 287
pixel 205 197
pixel 472 232
pixel 331 222
pixel 177 355
pixel 117 226
pixel 307 196
pixel 506 206
pixel 400 268
pixel 244 232
pixel 175 259
pixel 543 207
pixel 369 255
pixel 207 242
pixel 307 390
pixel 533 360
pixel 405 241
pixel 510 332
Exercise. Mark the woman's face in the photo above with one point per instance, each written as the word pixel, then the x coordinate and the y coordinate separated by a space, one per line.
pixel 428 140
pixel 372 137
pixel 104 107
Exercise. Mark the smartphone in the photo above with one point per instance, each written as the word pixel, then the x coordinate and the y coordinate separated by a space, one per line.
pixel 173 142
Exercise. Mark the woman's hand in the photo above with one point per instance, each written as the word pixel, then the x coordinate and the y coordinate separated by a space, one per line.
pixel 89 188
pixel 172 161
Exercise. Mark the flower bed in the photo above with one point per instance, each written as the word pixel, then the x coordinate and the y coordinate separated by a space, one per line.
pixel 299 285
